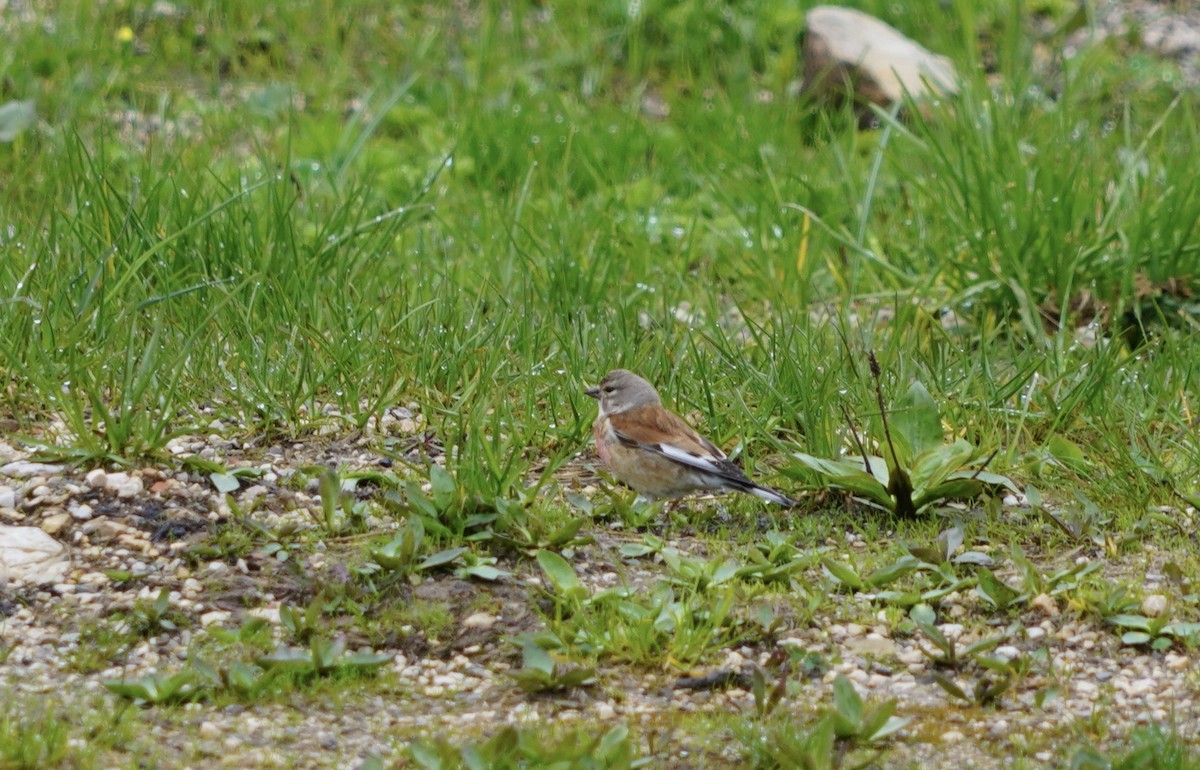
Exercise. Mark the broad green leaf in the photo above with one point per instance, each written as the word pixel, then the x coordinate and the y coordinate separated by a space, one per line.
pixel 894 571
pixel 993 590
pixel 442 558
pixel 442 485
pixel 844 574
pixel 848 475
pixel 1067 453
pixel 286 658
pixel 562 575
pixel 1182 630
pixel 890 727
pixel 949 686
pixel 923 613
pixel 1137 622
pixel 486 572
pixel 225 483
pixel 847 708
pixel 934 466
pixel 565 533
pixel 365 660
pixel 916 421
pixel 1133 638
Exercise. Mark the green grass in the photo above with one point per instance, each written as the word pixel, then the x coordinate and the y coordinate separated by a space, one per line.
pixel 291 218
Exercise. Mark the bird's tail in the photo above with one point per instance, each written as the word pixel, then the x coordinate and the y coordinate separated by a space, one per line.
pixel 771 496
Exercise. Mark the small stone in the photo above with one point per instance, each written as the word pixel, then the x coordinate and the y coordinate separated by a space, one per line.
pixel 22 469
pixel 480 620
pixel 209 730
pixel 30 554
pixel 80 511
pixel 951 631
pixel 54 523
pixel 871 645
pixel 96 478
pixel 8 497
pixel 216 616
pixel 1045 604
pixel 124 484
pixel 845 48
pixel 604 711
pixel 1154 605
pixel 952 736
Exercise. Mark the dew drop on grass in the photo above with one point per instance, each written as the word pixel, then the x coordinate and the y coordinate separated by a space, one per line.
pixel 678 231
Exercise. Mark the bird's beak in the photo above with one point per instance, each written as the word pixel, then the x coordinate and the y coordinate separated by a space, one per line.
pixel 593 392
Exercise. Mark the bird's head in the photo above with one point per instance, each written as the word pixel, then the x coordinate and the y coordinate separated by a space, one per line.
pixel 622 390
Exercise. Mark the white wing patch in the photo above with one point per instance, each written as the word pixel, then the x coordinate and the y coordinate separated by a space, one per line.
pixel 713 465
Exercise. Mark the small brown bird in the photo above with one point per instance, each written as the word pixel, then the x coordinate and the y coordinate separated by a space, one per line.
pixel 654 451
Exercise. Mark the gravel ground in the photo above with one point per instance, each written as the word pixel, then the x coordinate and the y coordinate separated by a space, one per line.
pixel 146 521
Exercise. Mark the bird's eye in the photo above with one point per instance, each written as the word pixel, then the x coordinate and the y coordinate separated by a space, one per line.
pixel 608 389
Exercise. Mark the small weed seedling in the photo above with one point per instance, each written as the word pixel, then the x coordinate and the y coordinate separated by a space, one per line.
pixel 541 672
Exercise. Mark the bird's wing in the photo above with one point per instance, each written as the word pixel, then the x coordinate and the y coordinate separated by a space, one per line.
pixel 657 430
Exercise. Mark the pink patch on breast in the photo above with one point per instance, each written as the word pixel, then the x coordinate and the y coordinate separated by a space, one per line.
pixel 601 447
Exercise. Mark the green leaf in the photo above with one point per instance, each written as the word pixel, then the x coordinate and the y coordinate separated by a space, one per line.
pixel 949 686
pixel 849 475
pixel 562 575
pixel 993 590
pixel 843 573
pixel 1067 453
pixel 486 572
pixel 365 660
pixel 848 708
pixel 636 550
pixel 565 533
pixel 442 484
pixel 534 657
pixel 224 482
pixel 923 613
pixel 894 571
pixel 1137 622
pixel 1182 630
pixel 916 421
pixel 289 658
pixel 442 558
pixel 15 117
pixel 1133 638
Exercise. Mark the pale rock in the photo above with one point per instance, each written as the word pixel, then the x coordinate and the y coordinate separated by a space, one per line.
pixel 124 484
pixel 8 497
pixel 269 614
pixel 29 554
pixel 1154 605
pixel 209 730
pixel 951 631
pixel 23 469
pixel 80 511
pixel 871 645
pixel 479 620
pixel 96 478
pixel 1045 604
pixel 216 616
pixel 846 49
pixel 54 523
